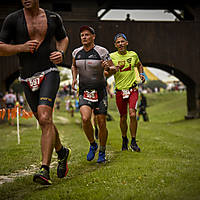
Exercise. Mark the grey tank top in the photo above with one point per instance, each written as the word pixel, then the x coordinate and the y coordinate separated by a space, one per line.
pixel 89 67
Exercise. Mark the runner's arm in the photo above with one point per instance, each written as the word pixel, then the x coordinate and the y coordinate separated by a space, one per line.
pixel 62 44
pixel 108 90
pixel 7 35
pixel 109 68
pixel 57 57
pixel 141 71
pixel 74 74
pixel 11 49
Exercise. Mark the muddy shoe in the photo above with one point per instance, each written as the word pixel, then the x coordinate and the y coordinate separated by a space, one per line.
pixel 42 177
pixel 134 147
pixel 62 168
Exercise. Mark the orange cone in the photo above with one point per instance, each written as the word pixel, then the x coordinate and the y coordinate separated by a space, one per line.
pixel 3 113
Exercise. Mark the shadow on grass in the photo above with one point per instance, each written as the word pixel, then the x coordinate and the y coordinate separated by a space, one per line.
pixel 184 121
pixel 27 125
pixel 24 125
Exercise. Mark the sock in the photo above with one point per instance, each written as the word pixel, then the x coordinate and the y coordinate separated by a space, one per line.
pixel 102 148
pixel 93 144
pixel 124 138
pixel 61 152
pixel 133 140
pixel 45 167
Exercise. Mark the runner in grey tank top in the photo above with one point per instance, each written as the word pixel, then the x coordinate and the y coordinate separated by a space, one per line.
pixel 90 70
pixel 92 62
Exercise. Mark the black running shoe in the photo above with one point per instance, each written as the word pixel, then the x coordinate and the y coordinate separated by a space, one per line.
pixel 62 168
pixel 42 177
pixel 125 144
pixel 134 147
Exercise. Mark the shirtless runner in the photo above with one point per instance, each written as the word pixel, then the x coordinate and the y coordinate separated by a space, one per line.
pixel 39 39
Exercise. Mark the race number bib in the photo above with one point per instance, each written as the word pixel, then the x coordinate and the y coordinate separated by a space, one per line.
pixel 125 94
pixel 90 95
pixel 35 81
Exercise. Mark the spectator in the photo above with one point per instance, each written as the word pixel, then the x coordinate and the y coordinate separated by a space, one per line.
pixel 142 108
pixel 2 103
pixel 21 100
pixel 10 100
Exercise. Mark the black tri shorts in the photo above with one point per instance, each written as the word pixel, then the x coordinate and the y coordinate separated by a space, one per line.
pixel 46 94
pixel 99 107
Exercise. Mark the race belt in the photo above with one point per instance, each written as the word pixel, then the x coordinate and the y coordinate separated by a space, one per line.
pixel 126 93
pixel 90 95
pixel 35 80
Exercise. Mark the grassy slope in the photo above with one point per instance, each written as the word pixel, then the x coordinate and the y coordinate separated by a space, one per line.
pixel 168 166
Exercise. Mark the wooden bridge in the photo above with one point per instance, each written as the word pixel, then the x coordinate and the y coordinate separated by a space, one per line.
pixel 169 46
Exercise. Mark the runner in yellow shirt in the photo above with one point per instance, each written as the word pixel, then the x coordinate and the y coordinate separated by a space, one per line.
pixel 126 88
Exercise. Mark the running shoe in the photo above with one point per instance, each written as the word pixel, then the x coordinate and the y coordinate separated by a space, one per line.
pixel 125 144
pixel 92 151
pixel 96 133
pixel 42 177
pixel 102 157
pixel 62 168
pixel 134 147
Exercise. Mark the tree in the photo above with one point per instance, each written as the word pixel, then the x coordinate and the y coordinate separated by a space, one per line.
pixel 17 86
pixel 155 84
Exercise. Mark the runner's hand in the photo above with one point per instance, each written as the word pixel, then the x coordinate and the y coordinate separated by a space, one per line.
pixel 142 78
pixel 56 57
pixel 117 68
pixel 74 82
pixel 30 46
pixel 105 65
pixel 106 73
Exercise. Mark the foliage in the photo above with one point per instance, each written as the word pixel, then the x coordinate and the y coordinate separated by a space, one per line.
pixel 17 86
pixel 152 84
pixel 64 77
pixel 64 73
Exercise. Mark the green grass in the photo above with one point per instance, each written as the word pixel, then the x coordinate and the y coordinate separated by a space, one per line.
pixel 168 166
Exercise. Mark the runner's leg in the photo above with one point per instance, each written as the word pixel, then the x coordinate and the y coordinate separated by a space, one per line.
pixel 133 122
pixel 103 132
pixel 122 107
pixel 133 98
pixel 86 113
pixel 123 125
pixel 58 144
pixel 48 137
